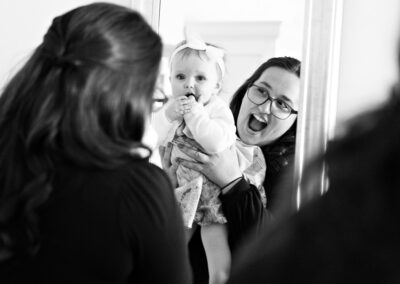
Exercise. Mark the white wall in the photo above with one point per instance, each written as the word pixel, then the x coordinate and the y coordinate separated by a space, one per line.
pixel 368 55
pixel 290 12
pixel 23 24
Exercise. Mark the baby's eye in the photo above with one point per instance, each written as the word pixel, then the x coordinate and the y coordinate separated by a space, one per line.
pixel 201 78
pixel 180 76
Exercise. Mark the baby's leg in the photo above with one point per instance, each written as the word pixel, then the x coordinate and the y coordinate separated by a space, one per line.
pixel 215 242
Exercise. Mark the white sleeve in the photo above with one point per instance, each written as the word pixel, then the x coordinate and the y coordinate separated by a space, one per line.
pixel 212 126
pixel 161 125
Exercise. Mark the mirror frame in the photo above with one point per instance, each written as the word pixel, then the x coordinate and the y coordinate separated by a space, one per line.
pixel 319 86
pixel 150 9
pixel 319 89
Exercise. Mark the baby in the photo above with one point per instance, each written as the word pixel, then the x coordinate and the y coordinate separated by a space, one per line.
pixel 198 117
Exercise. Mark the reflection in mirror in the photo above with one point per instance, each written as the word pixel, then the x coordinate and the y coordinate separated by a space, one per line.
pixel 250 31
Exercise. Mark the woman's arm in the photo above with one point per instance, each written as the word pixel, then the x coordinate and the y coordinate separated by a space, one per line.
pixel 242 205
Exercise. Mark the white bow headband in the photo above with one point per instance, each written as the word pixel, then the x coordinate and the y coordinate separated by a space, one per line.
pixel 212 52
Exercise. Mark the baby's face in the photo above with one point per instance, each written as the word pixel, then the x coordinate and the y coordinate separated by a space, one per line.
pixel 192 75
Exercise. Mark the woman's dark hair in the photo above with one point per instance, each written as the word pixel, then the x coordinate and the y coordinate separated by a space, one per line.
pixel 289 64
pixel 83 96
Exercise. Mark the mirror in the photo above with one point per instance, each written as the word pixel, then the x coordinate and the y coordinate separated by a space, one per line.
pixel 250 31
pixel 310 31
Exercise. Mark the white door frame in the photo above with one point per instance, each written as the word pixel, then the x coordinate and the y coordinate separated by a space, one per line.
pixel 150 9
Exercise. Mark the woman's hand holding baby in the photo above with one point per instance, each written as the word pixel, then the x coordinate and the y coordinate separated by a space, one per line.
pixel 221 168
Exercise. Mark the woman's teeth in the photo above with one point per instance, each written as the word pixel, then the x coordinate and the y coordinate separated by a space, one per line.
pixel 257 123
pixel 260 118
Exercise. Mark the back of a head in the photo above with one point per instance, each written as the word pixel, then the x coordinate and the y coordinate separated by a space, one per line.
pixel 84 95
pixel 89 84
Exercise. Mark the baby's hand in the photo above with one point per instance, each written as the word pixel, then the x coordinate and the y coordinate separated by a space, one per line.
pixel 189 104
pixel 178 106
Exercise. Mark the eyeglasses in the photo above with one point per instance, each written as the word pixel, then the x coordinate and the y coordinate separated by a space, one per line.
pixel 279 108
pixel 159 100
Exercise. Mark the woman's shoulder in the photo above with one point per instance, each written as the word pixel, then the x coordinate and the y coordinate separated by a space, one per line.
pixel 138 166
pixel 144 182
pixel 280 154
pixel 284 146
pixel 142 173
pixel 132 176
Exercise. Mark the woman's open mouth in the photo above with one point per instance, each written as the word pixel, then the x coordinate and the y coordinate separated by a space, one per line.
pixel 257 123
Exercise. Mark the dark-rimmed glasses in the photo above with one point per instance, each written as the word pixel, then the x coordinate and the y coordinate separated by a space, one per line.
pixel 279 108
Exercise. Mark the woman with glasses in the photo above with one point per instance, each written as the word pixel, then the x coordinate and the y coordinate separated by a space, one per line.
pixel 265 111
pixel 351 233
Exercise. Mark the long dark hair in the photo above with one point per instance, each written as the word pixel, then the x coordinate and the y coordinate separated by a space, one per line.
pixel 83 96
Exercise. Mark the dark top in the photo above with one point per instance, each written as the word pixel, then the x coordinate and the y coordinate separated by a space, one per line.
pixel 349 235
pixel 242 205
pixel 109 226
